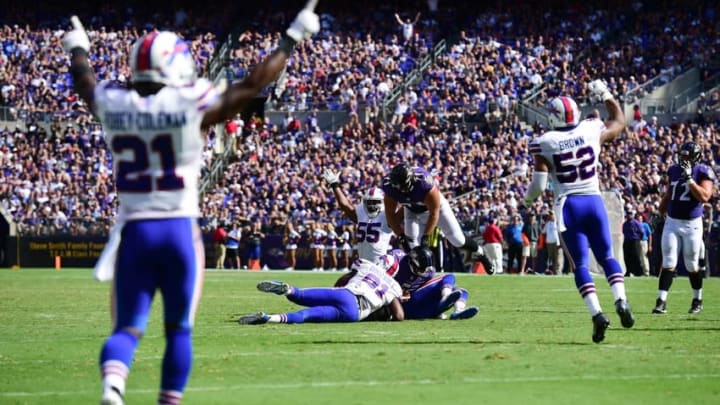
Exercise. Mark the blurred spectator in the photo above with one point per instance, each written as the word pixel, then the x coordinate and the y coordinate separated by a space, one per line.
pixel 219 239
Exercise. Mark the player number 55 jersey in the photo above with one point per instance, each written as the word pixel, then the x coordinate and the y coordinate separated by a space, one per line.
pixel 156 146
pixel 573 156
pixel 372 235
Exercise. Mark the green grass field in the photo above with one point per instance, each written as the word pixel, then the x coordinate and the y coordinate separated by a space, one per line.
pixel 530 344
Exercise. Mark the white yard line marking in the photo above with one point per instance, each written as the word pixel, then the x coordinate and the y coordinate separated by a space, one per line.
pixel 374 383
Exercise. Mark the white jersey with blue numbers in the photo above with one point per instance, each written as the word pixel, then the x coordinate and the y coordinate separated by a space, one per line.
pixel 372 235
pixel 573 156
pixel 157 147
pixel 372 283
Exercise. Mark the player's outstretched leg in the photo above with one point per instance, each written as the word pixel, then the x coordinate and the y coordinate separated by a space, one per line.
pixel 275 287
pixel 461 311
pixel 254 319
pixel 466 313
pixel 448 301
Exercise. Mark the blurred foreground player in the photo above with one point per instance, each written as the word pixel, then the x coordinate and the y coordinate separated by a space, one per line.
pixel 154 128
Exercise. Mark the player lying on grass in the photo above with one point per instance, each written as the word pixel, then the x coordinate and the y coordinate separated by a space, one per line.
pixel 425 294
pixel 367 290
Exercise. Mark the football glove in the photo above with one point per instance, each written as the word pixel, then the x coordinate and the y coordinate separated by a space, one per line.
pixel 599 91
pixel 304 26
pixel 425 241
pixel 686 167
pixel 404 242
pixel 77 37
pixel 332 178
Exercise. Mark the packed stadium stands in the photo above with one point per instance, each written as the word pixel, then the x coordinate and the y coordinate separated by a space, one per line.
pixel 461 117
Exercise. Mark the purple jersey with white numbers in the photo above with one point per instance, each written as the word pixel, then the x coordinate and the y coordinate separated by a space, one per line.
pixel 414 200
pixel 682 203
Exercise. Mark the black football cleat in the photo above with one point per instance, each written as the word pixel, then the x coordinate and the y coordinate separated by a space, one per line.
pixel 626 316
pixel 600 324
pixel 696 306
pixel 660 307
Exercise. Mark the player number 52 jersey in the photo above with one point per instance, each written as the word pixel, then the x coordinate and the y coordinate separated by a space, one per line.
pixel 374 285
pixel 156 146
pixel 573 156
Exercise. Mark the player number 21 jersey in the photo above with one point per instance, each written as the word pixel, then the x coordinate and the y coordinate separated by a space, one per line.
pixel 573 156
pixel 157 147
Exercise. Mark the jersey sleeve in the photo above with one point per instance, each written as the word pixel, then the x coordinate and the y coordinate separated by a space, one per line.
pixel 705 173
pixel 535 147
pixel 102 96
pixel 202 94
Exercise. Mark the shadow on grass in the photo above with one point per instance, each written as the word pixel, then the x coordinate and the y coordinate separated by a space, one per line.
pixel 435 342
pixel 689 328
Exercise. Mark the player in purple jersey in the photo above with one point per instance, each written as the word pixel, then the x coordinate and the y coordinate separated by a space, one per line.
pixel 424 209
pixel 569 156
pixel 154 130
pixel 690 185
pixel 368 289
pixel 426 295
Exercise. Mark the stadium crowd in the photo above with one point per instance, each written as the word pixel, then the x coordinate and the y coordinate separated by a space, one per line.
pixel 459 120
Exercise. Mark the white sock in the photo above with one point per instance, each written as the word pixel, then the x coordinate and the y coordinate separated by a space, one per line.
pixel 618 291
pixel 697 294
pixel 662 294
pixel 459 305
pixel 275 319
pixel 114 374
pixel 445 292
pixel 592 303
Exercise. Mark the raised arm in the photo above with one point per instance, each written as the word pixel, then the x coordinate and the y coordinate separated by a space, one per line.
pixel 615 123
pixel 333 180
pixel 236 97
pixel 77 43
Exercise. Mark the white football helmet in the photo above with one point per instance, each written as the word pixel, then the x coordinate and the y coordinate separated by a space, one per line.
pixel 162 57
pixel 373 201
pixel 389 264
pixel 563 112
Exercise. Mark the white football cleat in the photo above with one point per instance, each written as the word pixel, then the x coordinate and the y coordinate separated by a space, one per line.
pixel 112 396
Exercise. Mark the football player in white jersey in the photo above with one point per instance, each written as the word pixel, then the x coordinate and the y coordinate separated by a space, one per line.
pixel 373 234
pixel 367 290
pixel 154 129
pixel 568 154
